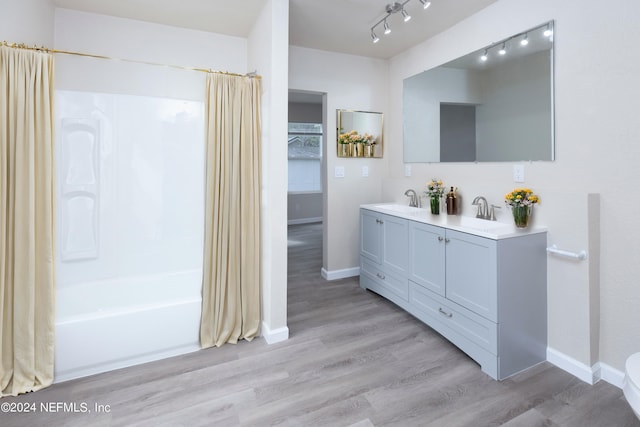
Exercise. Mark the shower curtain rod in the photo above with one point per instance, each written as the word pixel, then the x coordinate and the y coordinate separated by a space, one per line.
pixel 251 74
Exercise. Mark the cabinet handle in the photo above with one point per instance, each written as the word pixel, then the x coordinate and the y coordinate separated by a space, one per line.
pixel 444 313
pixel 379 221
pixel 447 240
pixel 380 276
pixel 440 238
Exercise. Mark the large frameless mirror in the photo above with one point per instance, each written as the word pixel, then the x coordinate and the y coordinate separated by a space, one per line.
pixel 494 104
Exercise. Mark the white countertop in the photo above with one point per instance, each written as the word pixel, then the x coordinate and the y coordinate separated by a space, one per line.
pixel 480 227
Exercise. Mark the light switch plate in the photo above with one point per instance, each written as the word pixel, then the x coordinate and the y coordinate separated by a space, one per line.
pixel 407 170
pixel 339 172
pixel 365 171
pixel 518 173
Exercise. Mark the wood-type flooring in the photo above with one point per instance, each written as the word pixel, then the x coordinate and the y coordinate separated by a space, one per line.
pixel 352 359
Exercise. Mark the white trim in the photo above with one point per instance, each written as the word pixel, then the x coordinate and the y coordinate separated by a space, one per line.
pixel 296 193
pixel 277 335
pixel 304 220
pixel 611 375
pixel 340 274
pixel 590 375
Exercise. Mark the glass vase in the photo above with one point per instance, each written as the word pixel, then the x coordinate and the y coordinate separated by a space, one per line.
pixel 521 215
pixel 435 205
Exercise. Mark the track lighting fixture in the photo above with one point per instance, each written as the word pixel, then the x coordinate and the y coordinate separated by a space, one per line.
pixel 545 30
pixel 391 9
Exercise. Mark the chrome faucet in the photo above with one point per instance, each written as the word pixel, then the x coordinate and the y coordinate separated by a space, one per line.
pixel 483 207
pixel 413 198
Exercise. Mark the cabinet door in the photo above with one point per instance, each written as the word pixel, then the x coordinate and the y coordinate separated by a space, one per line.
pixel 395 242
pixel 471 271
pixel 371 235
pixel 427 256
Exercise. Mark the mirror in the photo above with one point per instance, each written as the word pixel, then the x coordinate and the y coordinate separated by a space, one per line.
pixel 359 134
pixel 487 106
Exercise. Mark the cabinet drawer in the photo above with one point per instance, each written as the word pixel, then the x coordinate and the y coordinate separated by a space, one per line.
pixel 476 328
pixel 398 286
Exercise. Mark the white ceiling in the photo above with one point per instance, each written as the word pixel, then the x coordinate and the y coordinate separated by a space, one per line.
pixel 334 25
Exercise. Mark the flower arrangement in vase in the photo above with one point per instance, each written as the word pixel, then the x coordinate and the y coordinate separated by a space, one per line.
pixel 435 191
pixel 521 201
pixel 356 142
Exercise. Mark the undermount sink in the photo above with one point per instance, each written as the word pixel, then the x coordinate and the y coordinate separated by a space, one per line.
pixel 480 224
pixel 399 208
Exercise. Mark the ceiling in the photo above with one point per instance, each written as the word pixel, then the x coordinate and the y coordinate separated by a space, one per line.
pixel 334 25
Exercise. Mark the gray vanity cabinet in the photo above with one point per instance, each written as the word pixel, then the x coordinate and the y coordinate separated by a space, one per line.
pixel 486 296
pixel 384 254
pixel 458 266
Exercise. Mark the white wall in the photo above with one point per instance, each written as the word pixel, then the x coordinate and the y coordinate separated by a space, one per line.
pixel 27 21
pixel 354 83
pixel 597 96
pixel 140 41
pixel 268 54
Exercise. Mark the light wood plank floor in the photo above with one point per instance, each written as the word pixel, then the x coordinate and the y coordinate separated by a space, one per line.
pixel 353 359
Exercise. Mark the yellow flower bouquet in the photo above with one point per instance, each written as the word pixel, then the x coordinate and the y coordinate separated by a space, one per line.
pixel 521 200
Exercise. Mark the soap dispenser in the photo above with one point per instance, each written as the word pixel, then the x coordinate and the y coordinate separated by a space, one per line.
pixel 452 202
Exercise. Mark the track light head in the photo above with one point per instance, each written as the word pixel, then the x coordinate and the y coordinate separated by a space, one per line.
pixel 387 30
pixel 374 38
pixel 425 4
pixel 525 40
pixel 407 17
pixel 484 56
pixel 503 49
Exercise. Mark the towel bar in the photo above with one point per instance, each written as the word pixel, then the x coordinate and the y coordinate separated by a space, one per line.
pixel 553 249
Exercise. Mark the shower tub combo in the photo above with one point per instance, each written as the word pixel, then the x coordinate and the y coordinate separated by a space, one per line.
pixel 129 230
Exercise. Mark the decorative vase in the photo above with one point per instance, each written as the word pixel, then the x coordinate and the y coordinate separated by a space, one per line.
pixel 344 150
pixel 435 205
pixel 359 150
pixel 353 149
pixel 368 150
pixel 521 215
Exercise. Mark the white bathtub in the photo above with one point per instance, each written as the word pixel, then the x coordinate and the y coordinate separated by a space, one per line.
pixel 97 330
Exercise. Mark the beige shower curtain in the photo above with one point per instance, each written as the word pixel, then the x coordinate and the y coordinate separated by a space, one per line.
pixel 26 221
pixel 231 283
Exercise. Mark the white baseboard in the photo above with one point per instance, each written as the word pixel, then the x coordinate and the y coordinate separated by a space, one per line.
pixel 340 274
pixel 590 375
pixel 277 335
pixel 611 375
pixel 304 220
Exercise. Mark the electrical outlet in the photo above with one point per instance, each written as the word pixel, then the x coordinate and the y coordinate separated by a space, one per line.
pixel 518 173
pixel 407 170
pixel 339 172
pixel 365 171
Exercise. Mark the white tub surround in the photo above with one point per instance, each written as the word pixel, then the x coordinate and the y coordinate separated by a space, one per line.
pixel 129 215
pixel 481 284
